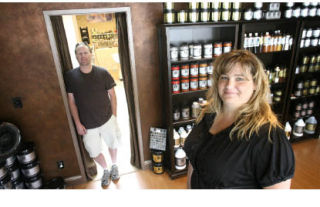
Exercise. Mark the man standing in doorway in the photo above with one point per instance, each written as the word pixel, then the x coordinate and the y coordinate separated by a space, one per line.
pixel 93 104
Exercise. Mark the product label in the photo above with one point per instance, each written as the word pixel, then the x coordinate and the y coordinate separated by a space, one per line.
pixel 181 162
pixel 194 72
pixel 175 74
pixel 210 69
pixel 185 73
pixel 196 52
pixel 184 53
pixel 203 84
pixel 157 158
pixel 208 51
pixel 176 87
pixel 158 169
pixel 174 54
pixel 217 51
pixel 203 70
pixel 186 113
pixel 185 86
pixel 194 85
pixel 311 127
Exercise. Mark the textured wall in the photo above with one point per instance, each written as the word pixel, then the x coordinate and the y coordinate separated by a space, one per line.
pixel 27 70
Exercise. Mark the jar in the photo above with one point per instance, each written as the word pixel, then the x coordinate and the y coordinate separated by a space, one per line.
pixel 169 16
pixel 184 52
pixel 312 90
pixel 158 168
pixel 302 43
pixel 309 112
pixel 176 113
pixel 175 72
pixel 307 42
pixel 209 82
pixel 203 83
pixel 208 50
pixel 313 82
pixel 194 72
pixel 311 125
pixel 236 15
pixel 306 84
pixel 297 92
pixel 297 114
pixel 257 14
pixel 175 87
pixel 182 16
pixel 316 32
pixel 296 12
pixel 311 68
pixel 193 84
pixel 204 15
pixel 312 12
pixel 305 105
pixel 215 15
pixel 288 13
pixel 277 99
pixel 248 14
pixel 195 109
pixel 303 113
pixel 227 46
pixel 210 68
pixel 174 53
pixel 305 59
pixel 298 107
pixel 305 92
pixel 298 128
pixel 217 51
pixel 311 104
pixel 193 15
pixel 225 15
pixel 184 71
pixel 184 85
pixel 309 33
pixel 185 112
pixel 197 51
pixel 203 69
pixel 304 12
pixel 190 50
pixel 314 42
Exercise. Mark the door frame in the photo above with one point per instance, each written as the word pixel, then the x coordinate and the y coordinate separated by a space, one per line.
pixel 55 54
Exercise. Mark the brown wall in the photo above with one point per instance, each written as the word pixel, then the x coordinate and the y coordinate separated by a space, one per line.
pixel 27 70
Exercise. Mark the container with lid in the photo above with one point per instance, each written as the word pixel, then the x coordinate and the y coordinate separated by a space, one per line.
pixel 176 113
pixel 184 85
pixel 185 112
pixel 26 153
pixel 195 109
pixel 182 16
pixel 184 71
pixel 175 86
pixel 197 51
pixel 311 125
pixel 175 72
pixel 194 70
pixel 176 138
pixel 173 53
pixel 184 52
pixel 203 82
pixel 158 168
pixel 207 50
pixel 193 15
pixel 169 16
pixel 227 46
pixel 298 128
pixel 180 159
pixel 203 69
pixel 217 49
pixel 194 84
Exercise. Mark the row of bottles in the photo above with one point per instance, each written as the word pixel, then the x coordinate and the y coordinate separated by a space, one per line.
pixel 306 87
pixel 309 64
pixel 277 74
pixel 301 127
pixel 310 37
pixel 189 51
pixel 267 42
pixel 306 9
pixel 182 112
pixel 303 109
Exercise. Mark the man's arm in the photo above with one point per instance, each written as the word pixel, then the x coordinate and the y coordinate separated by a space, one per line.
pixel 75 115
pixel 113 100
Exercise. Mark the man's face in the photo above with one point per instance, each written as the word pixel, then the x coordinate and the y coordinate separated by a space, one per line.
pixel 83 55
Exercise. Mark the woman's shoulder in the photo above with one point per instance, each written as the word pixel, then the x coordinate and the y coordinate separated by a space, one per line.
pixel 268 134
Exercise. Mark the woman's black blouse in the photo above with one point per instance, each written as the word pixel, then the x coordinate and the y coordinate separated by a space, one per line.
pixel 219 162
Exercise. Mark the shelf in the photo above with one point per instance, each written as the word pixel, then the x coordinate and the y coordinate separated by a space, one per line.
pixel 189 92
pixel 182 122
pixel 302 97
pixel 191 60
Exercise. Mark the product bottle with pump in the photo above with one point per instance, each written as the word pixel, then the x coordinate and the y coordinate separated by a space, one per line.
pixel 287 130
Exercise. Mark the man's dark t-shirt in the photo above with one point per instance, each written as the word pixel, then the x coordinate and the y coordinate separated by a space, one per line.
pixel 90 91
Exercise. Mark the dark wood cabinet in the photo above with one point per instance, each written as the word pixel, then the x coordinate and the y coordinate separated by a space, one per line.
pixel 178 34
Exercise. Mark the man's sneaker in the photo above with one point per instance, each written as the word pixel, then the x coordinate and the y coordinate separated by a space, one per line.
pixel 105 178
pixel 115 173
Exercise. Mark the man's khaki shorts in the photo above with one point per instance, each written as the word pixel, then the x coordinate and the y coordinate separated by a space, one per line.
pixel 109 132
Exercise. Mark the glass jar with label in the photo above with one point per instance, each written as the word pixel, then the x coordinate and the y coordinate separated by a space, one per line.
pixel 193 15
pixel 227 46
pixel 215 15
pixel 296 12
pixel 217 49
pixel 169 16
pixel 176 113
pixel 194 84
pixel 210 68
pixel 204 15
pixel 248 15
pixel 203 82
pixel 175 86
pixel 257 14
pixel 236 15
pixel 174 53
pixel 175 70
pixel 197 51
pixel 225 15
pixel 184 85
pixel 184 52
pixel 194 70
pixel 207 50
pixel 184 71
pixel 203 69
pixel 185 112
pixel 182 16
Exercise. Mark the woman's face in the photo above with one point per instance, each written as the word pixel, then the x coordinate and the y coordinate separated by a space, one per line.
pixel 236 87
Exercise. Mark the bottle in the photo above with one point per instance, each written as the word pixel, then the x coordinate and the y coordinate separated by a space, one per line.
pixel 245 42
pixel 266 42
pixel 287 130
pixel 250 42
pixel 180 159
pixel 298 128
pixel 311 125
pixel 256 43
pixel 176 138
pixel 195 109
pixel 183 137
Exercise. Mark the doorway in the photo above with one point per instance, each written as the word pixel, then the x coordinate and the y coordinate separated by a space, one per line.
pixel 123 119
